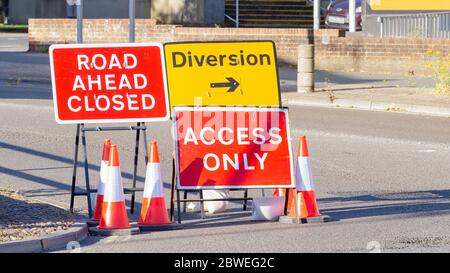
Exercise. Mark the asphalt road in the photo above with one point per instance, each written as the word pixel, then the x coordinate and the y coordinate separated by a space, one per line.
pixel 383 178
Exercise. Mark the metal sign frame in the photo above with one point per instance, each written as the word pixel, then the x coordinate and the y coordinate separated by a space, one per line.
pixel 108 45
pixel 81 128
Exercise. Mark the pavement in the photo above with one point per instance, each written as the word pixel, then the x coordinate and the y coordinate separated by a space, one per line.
pixel 381 175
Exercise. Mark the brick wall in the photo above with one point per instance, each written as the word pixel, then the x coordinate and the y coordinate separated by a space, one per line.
pixel 333 50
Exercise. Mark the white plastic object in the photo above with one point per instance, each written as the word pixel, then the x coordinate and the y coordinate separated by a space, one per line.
pixel 268 208
pixel 215 206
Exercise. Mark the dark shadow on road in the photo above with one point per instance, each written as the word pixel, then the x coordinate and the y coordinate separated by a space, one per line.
pixel 53 183
pixel 26 58
pixel 43 169
pixel 58 158
pixel 20 89
pixel 393 196
pixel 407 204
pixel 401 210
pixel 425 203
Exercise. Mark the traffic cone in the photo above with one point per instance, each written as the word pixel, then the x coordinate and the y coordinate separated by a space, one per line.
pixel 279 192
pixel 306 197
pixel 282 192
pixel 114 215
pixel 153 212
pixel 101 183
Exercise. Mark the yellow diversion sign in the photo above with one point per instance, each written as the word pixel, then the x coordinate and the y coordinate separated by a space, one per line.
pixel 222 73
pixel 424 5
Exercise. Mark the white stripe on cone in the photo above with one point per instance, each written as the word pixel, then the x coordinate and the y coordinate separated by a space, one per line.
pixel 304 175
pixel 280 192
pixel 153 181
pixel 103 177
pixel 114 186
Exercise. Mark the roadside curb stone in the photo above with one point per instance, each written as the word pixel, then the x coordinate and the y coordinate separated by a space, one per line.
pixel 370 105
pixel 22 246
pixel 76 232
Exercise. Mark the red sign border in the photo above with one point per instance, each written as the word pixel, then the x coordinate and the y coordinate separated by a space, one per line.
pixel 234 109
pixel 102 45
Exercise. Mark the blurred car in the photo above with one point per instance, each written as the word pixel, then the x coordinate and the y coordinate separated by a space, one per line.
pixel 337 15
pixel 323 5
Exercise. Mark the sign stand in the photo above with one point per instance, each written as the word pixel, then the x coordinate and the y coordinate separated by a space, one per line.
pixel 201 199
pixel 224 81
pixel 81 128
pixel 185 195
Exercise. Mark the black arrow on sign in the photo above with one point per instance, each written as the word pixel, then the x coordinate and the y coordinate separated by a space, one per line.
pixel 232 84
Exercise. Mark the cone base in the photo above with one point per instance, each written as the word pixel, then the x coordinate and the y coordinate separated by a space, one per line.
pixel 309 220
pixel 92 223
pixel 94 231
pixel 171 226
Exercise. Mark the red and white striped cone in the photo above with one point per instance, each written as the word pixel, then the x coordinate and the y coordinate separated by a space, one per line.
pixel 101 183
pixel 305 185
pixel 306 197
pixel 114 219
pixel 153 212
pixel 279 192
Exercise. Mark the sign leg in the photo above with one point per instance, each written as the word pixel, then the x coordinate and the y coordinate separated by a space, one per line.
pixel 75 166
pixel 86 171
pixel 178 207
pixel 286 201
pixel 185 194
pixel 245 201
pixel 136 156
pixel 144 133
pixel 202 207
pixel 172 189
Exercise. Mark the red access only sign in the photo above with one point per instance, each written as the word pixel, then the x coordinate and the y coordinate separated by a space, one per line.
pixel 232 147
pixel 109 83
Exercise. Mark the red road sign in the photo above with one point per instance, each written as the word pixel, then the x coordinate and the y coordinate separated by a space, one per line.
pixel 233 147
pixel 109 83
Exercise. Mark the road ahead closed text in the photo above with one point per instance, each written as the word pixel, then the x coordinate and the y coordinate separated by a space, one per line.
pixel 102 83
pixel 233 148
